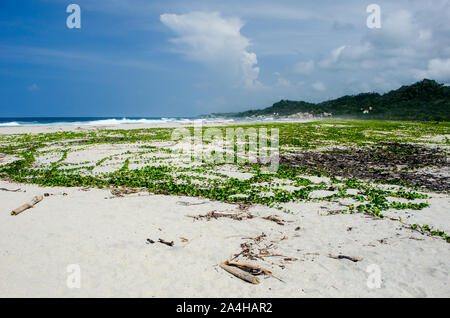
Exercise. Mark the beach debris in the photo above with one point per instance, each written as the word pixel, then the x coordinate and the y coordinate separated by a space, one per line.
pixel 415 238
pixel 185 203
pixel 150 241
pixel 253 248
pixel 239 273
pixel 297 228
pixel 335 212
pixel 244 206
pixel 215 215
pixel 312 253
pixel 28 205
pixel 120 192
pixel 259 237
pixel 166 242
pixel 275 219
pixel 9 190
pixel 383 241
pixel 379 163
pixel 183 239
pixel 252 269
pixel 353 259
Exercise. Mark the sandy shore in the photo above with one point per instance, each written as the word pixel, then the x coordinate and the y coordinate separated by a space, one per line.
pixel 108 239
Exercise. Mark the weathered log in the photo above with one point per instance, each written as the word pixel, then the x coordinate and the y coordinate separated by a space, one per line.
pixel 240 274
pixel 26 206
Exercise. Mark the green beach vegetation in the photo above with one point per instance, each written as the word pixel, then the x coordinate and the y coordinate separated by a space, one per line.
pixel 143 158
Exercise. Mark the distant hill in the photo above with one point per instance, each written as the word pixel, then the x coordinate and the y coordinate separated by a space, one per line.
pixel 425 100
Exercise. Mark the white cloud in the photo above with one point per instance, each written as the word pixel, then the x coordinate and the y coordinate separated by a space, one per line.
pixel 346 53
pixel 282 82
pixel 319 86
pixel 209 38
pixel 304 67
pixel 438 69
pixel 337 52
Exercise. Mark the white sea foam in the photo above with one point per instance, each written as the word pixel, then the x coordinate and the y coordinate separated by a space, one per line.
pixel 115 121
pixel 10 124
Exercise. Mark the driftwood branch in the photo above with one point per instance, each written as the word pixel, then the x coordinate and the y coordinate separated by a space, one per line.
pixel 26 206
pixel 216 215
pixel 4 189
pixel 165 242
pixel 253 268
pixel 275 219
pixel 240 273
pixel 353 259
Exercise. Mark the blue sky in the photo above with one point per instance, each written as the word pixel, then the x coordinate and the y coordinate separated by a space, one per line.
pixel 184 58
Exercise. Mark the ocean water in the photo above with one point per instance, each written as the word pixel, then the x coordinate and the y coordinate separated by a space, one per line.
pixel 98 121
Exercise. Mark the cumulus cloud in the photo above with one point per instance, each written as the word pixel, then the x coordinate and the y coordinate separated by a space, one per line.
pixel 319 86
pixel 304 67
pixel 347 54
pixel 438 69
pixel 209 38
pixel 410 46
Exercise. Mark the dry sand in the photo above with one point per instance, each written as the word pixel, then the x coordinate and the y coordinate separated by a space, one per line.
pixel 106 236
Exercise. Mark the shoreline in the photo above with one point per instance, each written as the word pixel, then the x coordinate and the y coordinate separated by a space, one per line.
pixel 59 128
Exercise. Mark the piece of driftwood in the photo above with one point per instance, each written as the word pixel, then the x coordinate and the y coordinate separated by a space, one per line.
pixel 353 259
pixel 239 273
pixel 4 189
pixel 121 192
pixel 256 270
pixel 275 219
pixel 165 242
pixel 28 205
pixel 184 203
pixel 217 215
pixel 253 269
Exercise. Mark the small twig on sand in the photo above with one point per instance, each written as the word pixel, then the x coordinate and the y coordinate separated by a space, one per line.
pixel 26 206
pixel 4 189
pixel 244 206
pixel 216 215
pixel 353 259
pixel 165 242
pixel 184 203
pixel 120 192
pixel 275 219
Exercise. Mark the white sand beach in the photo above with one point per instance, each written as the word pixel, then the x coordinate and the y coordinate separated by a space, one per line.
pixel 106 237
